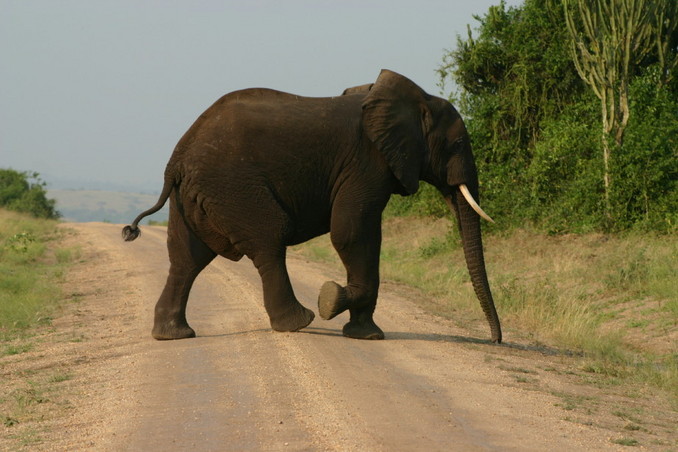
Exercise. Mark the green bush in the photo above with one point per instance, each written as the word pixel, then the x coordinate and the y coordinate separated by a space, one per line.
pixel 25 192
pixel 536 129
pixel 645 170
pixel 565 173
pixel 513 76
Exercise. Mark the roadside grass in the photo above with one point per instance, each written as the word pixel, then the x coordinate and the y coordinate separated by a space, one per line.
pixel 611 298
pixel 31 264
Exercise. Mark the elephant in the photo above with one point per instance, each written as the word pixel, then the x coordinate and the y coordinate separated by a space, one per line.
pixel 261 170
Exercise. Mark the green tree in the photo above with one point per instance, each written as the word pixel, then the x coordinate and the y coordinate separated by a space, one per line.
pixel 535 123
pixel 512 74
pixel 25 192
pixel 646 167
pixel 665 38
pixel 565 174
pixel 610 39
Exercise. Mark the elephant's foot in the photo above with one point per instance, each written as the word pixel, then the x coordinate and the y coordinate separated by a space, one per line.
pixel 363 330
pixel 171 330
pixel 296 318
pixel 332 300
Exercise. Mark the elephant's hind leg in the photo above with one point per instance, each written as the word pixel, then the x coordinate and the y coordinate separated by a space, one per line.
pixel 188 257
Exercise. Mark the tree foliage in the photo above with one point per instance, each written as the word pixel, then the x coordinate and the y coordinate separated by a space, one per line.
pixel 25 192
pixel 514 73
pixel 535 124
pixel 609 41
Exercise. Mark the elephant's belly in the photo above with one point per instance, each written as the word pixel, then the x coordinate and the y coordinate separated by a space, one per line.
pixel 311 222
pixel 307 234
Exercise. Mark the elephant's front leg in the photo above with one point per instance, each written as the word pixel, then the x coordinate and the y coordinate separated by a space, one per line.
pixel 358 244
pixel 284 310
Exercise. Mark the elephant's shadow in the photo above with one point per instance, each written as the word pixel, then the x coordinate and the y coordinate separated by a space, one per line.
pixel 429 337
pixel 435 337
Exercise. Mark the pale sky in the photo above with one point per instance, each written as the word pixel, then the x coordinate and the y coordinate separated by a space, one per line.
pixel 95 94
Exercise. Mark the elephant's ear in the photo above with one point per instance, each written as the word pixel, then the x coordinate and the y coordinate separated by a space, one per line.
pixel 394 119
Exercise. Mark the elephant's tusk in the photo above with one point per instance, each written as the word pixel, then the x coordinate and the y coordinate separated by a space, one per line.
pixel 472 202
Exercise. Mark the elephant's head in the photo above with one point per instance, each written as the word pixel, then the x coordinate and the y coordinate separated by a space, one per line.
pixel 424 138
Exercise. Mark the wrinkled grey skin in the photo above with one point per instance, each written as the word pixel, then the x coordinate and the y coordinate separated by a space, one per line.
pixel 261 170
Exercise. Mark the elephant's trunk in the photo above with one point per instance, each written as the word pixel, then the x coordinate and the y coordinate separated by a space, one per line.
pixel 469 226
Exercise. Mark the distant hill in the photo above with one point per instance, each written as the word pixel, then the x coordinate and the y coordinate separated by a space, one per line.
pixel 109 206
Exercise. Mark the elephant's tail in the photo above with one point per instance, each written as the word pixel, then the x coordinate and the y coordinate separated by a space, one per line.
pixel 132 231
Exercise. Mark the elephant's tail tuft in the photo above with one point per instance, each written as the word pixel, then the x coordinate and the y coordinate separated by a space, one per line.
pixel 130 233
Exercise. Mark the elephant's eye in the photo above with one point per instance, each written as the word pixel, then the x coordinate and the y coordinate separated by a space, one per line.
pixel 457 145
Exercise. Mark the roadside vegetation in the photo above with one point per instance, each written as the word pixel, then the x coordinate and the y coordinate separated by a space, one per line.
pixel 23 191
pixel 31 266
pixel 33 263
pixel 548 155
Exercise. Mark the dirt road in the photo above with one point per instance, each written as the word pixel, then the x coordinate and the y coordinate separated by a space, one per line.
pixel 239 386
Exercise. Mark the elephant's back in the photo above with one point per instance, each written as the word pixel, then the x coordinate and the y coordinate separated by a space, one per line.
pixel 269 106
pixel 261 120
pixel 258 98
